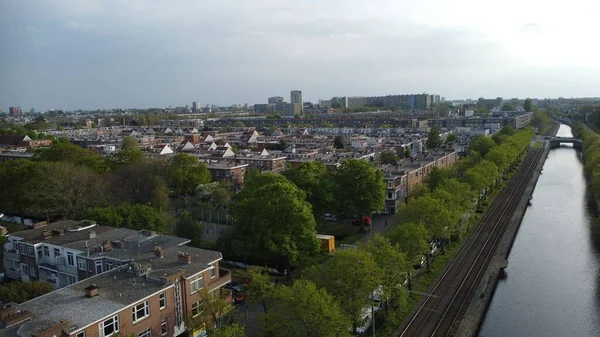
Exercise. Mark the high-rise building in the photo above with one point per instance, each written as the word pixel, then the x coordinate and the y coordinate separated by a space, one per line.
pixel 195 107
pixel 275 99
pixel 15 111
pixel 32 111
pixel 296 97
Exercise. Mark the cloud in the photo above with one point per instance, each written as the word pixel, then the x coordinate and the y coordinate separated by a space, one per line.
pixel 109 53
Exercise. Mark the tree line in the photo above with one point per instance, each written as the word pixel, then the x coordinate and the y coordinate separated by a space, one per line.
pixel 123 189
pixel 591 155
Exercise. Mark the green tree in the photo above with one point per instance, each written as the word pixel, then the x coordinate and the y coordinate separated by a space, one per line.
pixel 126 157
pixel 481 144
pixel 387 157
pixel 435 178
pixel 186 173
pixel 188 227
pixel 359 189
pixel 313 178
pixel 434 140
pixel 129 143
pixel 338 142
pixel 412 239
pixel 350 276
pixel 126 216
pixel 451 138
pixel 271 215
pixel 18 179
pixel 19 292
pixel 407 153
pixel 259 288
pixel 507 107
pixel 62 188
pixel 482 176
pixel 527 105
pixel 463 196
pixel 68 152
pixel 540 119
pixel 392 263
pixel 213 309
pixel 303 310
pixel 439 219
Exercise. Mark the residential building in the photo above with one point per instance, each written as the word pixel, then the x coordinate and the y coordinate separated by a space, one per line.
pixel 490 103
pixel 23 141
pixel 230 172
pixel 151 296
pixel 514 119
pixel 14 111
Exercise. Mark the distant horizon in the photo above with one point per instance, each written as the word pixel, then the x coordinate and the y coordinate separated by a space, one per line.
pixel 27 110
pixel 73 54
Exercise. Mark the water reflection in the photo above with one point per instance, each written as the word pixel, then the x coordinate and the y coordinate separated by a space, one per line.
pixel 553 284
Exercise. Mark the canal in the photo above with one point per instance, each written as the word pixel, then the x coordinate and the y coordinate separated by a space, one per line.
pixel 553 276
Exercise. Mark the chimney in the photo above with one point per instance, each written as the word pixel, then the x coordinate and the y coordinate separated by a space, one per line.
pixel 184 257
pixel 91 291
pixel 92 234
pixel 159 252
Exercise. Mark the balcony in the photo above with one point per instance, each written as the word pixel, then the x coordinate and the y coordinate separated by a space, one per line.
pixel 225 277
pixel 12 255
pixel 11 273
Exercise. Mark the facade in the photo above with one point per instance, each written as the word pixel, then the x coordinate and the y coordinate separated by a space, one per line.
pixel 227 171
pixel 490 103
pixel 14 111
pixel 195 106
pixel 516 120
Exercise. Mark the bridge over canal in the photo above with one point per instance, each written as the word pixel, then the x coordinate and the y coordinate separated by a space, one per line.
pixel 556 141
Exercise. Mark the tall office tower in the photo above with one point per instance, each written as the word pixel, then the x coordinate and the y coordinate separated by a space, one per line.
pixel 296 97
pixel 195 106
pixel 15 111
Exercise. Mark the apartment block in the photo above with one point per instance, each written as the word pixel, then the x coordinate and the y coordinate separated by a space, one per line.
pixel 149 295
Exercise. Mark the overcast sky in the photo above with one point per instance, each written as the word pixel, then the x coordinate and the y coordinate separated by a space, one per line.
pixel 86 54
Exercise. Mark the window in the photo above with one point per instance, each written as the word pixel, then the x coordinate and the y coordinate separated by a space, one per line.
pixel 32 272
pixel 23 250
pixel 196 309
pixel 80 334
pixel 72 279
pixel 98 267
pixel 30 251
pixel 81 263
pixel 39 253
pixel 162 300
pixel 56 252
pixel 213 272
pixel 140 311
pixel 145 333
pixel 197 284
pixel 70 259
pixel 25 269
pixel 46 251
pixel 109 327
pixel 164 327
pixel 109 265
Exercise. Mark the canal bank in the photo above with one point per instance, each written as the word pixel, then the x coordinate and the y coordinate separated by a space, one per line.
pixel 552 286
pixel 483 294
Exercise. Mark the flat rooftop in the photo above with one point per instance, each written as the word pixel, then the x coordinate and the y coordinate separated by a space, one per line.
pixel 117 290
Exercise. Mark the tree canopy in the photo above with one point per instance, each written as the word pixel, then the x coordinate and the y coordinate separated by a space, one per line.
pixel 434 140
pixel 527 105
pixel 350 276
pixel 481 144
pixel 358 189
pixel 271 215
pixel 186 173
pixel 313 178
pixel 303 310
pixel 387 157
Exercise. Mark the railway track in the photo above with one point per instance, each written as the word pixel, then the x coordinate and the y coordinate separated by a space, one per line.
pixel 440 312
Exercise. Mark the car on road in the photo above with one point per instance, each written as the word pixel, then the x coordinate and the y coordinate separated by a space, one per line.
pixel 359 221
pixel 235 286
pixel 330 217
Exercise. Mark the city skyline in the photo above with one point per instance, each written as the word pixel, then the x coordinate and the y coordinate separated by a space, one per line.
pixel 103 54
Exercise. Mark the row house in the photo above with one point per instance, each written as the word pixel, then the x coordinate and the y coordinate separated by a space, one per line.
pixel 151 296
pixel 229 172
pixel 67 251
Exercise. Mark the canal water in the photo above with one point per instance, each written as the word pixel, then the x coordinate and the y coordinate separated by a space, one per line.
pixel 553 276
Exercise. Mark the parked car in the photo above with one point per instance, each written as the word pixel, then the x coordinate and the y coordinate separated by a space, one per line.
pixel 234 286
pixel 366 316
pixel 358 221
pixel 330 217
pixel 421 263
